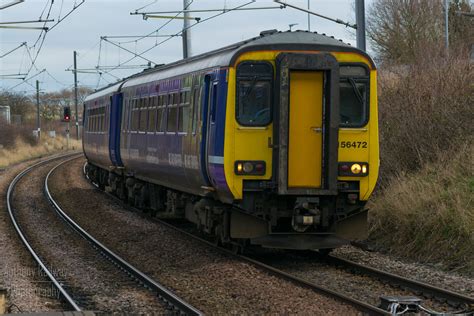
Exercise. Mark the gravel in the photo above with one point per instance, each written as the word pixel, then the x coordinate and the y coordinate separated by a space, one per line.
pixel 93 281
pixel 211 281
pixel 424 273
pixel 361 287
pixel 28 289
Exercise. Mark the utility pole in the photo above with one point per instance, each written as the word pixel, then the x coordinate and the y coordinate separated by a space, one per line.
pixel 309 20
pixel 360 22
pixel 446 24
pixel 38 121
pixel 186 32
pixel 75 96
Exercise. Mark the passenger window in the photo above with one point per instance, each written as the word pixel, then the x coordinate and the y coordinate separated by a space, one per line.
pixel 183 121
pixel 160 119
pixel 135 116
pixel 151 119
pixel 184 112
pixel 143 117
pixel 353 88
pixel 172 117
pixel 254 93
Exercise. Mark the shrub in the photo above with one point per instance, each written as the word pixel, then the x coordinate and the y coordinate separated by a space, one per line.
pixel 424 109
pixel 428 216
pixel 9 134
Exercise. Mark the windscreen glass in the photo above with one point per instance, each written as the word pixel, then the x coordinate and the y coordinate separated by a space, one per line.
pixel 254 93
pixel 354 95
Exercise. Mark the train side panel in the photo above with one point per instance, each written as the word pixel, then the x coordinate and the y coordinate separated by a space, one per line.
pixel 162 140
pixel 96 131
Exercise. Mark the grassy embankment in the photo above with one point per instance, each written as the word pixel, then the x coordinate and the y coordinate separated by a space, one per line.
pixel 423 209
pixel 18 144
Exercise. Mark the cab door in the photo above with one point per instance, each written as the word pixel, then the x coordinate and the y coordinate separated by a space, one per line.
pixel 305 148
pixel 307 123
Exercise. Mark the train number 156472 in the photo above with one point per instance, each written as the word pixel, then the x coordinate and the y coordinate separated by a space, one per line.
pixel 352 144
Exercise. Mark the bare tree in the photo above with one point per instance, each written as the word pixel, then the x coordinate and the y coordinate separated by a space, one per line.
pixel 461 27
pixel 403 30
pixel 19 104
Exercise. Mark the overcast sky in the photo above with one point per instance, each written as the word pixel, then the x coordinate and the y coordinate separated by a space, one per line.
pixel 81 31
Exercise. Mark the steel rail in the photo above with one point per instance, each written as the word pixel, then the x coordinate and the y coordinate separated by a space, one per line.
pixel 23 238
pixel 165 294
pixel 360 305
pixel 414 285
pixel 427 289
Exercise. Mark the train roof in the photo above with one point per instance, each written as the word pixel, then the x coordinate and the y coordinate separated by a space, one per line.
pixel 226 56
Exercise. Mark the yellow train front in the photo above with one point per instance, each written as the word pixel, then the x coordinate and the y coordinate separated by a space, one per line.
pixel 301 153
pixel 272 141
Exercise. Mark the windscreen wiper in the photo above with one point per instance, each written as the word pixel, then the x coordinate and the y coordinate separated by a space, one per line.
pixel 250 88
pixel 356 91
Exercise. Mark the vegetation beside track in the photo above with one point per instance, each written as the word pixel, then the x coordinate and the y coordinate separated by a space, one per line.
pixel 18 144
pixel 428 216
pixel 423 209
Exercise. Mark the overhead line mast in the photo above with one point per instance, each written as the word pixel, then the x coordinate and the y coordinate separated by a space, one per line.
pixel 186 31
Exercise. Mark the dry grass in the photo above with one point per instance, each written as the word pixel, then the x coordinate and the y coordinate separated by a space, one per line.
pixel 22 151
pixel 423 209
pixel 425 109
pixel 428 216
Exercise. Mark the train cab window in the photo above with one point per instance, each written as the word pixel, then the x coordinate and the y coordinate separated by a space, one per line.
pixel 354 95
pixel 254 93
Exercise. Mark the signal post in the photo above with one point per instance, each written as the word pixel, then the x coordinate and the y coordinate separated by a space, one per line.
pixel 67 119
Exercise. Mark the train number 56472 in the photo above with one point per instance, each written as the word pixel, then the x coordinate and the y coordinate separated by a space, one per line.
pixel 352 144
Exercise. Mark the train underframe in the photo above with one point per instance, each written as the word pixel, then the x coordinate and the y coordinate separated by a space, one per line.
pixel 262 218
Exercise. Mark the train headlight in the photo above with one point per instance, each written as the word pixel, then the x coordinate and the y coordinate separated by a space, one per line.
pixel 248 167
pixel 353 169
pixel 256 168
pixel 356 168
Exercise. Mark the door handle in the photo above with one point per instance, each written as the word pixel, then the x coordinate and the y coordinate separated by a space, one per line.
pixel 317 129
pixel 270 144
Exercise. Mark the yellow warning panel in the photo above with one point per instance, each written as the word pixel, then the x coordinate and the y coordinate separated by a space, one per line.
pixel 306 129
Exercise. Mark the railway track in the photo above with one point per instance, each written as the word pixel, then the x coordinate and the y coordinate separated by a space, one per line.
pixel 360 305
pixel 418 288
pixel 57 284
pixel 69 293
pixel 426 290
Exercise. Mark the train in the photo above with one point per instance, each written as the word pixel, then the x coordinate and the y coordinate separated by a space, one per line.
pixel 272 141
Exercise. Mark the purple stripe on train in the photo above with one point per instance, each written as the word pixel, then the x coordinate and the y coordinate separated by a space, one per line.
pixel 217 175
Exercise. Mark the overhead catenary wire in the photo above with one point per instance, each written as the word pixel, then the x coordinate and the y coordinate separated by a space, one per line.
pixel 135 41
pixel 13 50
pixel 26 80
pixel 317 14
pixel 181 31
pixel 161 27
pixel 10 4
pixel 129 51
pixel 147 5
pixel 42 36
